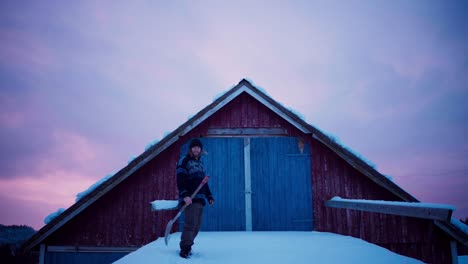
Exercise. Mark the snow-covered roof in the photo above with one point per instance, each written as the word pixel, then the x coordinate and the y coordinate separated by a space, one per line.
pixel 267 247
pixel 442 212
pixel 461 226
pixel 405 204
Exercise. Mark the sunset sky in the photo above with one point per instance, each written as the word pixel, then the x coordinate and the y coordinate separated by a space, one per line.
pixel 84 85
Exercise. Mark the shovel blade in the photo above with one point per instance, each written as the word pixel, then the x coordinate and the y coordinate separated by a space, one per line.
pixel 167 234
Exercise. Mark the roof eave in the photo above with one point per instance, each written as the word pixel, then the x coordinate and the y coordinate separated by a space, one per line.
pixel 453 231
pixel 409 209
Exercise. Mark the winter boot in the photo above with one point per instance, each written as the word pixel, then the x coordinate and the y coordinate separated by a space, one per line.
pixel 185 251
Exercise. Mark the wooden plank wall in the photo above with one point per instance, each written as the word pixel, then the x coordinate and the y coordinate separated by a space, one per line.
pixel 332 176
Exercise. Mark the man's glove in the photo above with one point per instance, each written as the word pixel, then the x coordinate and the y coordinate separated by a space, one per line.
pixel 187 200
pixel 211 200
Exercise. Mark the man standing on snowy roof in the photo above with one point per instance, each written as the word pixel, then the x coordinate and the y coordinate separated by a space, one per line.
pixel 190 173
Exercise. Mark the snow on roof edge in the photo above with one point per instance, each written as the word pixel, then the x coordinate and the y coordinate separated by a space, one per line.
pixel 463 227
pixel 338 141
pixel 95 185
pixel 53 215
pixel 412 204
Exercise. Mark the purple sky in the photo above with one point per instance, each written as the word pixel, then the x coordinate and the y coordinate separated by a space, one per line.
pixel 84 86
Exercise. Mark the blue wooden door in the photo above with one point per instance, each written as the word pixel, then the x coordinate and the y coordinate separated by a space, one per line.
pixel 281 185
pixel 279 193
pixel 224 164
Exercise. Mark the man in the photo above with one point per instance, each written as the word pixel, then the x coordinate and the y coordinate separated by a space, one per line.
pixel 190 173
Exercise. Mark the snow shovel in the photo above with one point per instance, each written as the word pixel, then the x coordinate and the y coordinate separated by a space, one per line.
pixel 167 235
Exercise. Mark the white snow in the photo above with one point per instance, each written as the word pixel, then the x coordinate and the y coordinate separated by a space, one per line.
pixel 159 205
pixel 220 94
pixel 51 217
pixel 131 159
pixel 462 259
pixel 261 89
pixel 92 187
pixel 299 114
pixel 388 176
pixel 338 141
pixel 409 204
pixel 152 143
pixel 267 247
pixel 360 156
pixel 459 225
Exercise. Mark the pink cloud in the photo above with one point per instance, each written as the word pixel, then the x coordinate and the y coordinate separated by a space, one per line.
pixel 69 167
pixel 357 103
pixel 422 164
pixel 76 155
pixel 12 119
pixel 436 177
pixel 275 60
pixel 16 113
pixel 16 212
pixel 76 147
pixel 25 51
pixel 56 188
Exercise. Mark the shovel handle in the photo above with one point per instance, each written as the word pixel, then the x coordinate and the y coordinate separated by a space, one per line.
pixel 204 181
pixel 171 222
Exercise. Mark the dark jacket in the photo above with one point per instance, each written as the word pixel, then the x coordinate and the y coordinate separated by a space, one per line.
pixel 190 173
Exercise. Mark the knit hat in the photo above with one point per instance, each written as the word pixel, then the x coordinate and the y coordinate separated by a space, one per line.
pixel 195 143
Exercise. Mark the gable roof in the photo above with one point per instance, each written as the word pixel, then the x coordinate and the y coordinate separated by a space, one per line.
pixel 166 142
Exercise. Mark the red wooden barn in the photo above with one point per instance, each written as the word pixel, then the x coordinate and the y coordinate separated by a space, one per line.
pixel 256 148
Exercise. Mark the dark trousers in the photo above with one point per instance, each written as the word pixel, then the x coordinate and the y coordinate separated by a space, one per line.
pixel 193 220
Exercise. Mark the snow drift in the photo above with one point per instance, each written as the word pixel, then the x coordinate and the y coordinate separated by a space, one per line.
pixel 267 247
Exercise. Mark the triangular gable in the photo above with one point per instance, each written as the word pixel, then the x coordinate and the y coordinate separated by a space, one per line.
pixel 166 142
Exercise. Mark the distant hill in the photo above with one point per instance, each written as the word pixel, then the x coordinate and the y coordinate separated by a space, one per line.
pixel 15 234
pixel 11 238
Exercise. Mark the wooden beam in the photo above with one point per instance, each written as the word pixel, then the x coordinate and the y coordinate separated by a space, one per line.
pixel 247 132
pixel 248 185
pixel 443 214
pixel 454 232
pixel 42 252
pixel 454 252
